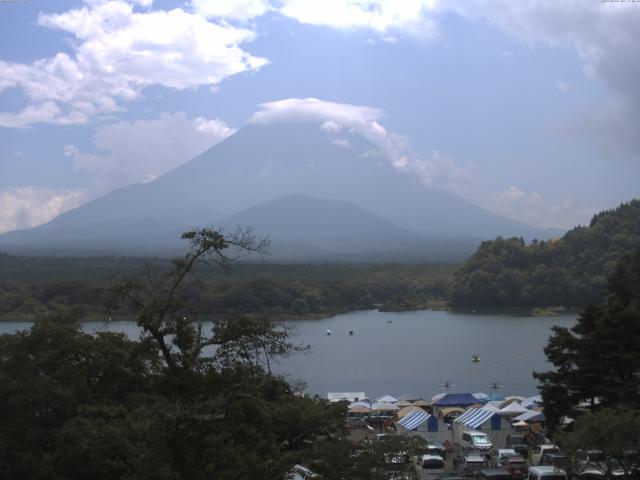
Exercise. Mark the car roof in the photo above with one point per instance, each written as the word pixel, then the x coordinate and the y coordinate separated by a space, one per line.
pixel 516 458
pixel 504 450
pixel 546 469
pixel 474 456
pixel 428 456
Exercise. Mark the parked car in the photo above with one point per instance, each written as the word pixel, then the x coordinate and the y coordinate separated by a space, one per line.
pixel 494 474
pixel 518 441
pixel 595 465
pixel 538 438
pixel 517 466
pixel 300 472
pixel 471 463
pixel 498 455
pixel 473 440
pixel 546 472
pixel 432 465
pixel 436 448
pixel 540 450
pixel 558 459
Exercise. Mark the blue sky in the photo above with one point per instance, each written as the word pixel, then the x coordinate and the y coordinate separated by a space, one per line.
pixel 530 109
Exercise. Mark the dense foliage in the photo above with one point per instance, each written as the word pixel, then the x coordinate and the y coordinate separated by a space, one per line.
pixel 77 406
pixel 613 434
pixel 597 361
pixel 179 403
pixel 32 288
pixel 571 271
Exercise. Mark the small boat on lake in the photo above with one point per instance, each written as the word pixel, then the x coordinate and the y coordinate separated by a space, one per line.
pixel 494 385
pixel 475 358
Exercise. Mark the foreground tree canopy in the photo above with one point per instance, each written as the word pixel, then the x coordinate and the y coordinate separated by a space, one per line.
pixel 179 403
pixel 571 271
pixel 612 433
pixel 597 361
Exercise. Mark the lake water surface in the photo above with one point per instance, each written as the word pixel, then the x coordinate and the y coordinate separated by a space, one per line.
pixel 412 352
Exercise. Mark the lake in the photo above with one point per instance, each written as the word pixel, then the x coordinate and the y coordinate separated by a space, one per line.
pixel 410 352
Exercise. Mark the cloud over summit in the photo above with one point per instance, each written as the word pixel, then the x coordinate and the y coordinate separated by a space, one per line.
pixel 334 118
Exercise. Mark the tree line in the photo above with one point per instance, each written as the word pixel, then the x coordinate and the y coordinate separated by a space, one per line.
pixel 33 288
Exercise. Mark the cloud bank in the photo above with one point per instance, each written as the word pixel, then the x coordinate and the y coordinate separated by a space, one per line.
pixel 140 151
pixel 26 207
pixel 533 209
pixel 118 50
pixel 334 118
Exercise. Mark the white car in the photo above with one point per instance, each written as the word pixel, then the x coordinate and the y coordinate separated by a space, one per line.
pixel 546 473
pixel 540 450
pixel 499 454
pixel 472 440
pixel 431 465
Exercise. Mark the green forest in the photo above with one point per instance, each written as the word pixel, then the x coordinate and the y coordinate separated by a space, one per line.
pixel 33 288
pixel 571 271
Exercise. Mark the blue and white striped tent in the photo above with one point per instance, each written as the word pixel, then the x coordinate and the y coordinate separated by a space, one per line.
pixel 418 418
pixel 476 417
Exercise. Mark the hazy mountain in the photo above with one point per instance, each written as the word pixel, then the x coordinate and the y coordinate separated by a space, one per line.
pixel 260 163
pixel 302 225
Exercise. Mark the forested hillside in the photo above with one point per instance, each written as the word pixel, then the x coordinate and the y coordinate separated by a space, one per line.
pixel 571 271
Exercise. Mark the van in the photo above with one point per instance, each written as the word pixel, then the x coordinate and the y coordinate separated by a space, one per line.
pixel 546 473
pixel 473 440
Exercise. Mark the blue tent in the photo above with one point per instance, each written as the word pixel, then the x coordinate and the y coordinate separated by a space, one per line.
pixel 457 400
pixel 479 417
pixel 417 418
pixel 536 418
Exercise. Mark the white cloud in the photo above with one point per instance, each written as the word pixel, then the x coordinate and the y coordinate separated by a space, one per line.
pixel 313 109
pixel 47 112
pixel 533 209
pixel 337 118
pixel 117 52
pixel 27 207
pixel 379 15
pixel 140 151
pixel 241 10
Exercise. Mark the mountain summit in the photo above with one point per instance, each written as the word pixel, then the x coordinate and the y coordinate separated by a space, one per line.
pixel 264 162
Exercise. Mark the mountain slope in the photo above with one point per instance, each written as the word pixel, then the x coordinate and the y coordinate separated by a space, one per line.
pixel 257 164
pixel 571 271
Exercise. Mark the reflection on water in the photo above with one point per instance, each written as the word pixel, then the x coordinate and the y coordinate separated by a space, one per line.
pixel 412 352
